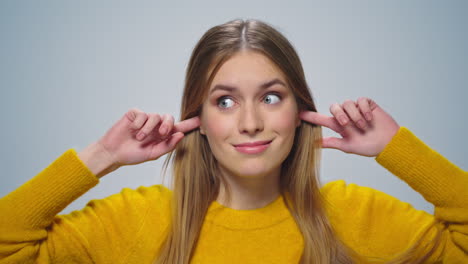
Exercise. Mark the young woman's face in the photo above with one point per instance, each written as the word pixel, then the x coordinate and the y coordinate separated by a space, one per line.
pixel 249 116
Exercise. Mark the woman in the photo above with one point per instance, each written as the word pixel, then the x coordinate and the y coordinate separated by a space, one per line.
pixel 246 186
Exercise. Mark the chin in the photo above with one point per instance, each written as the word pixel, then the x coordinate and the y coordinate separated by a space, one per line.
pixel 252 170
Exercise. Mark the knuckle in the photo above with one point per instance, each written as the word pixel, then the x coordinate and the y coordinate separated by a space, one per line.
pixel 150 122
pixel 362 99
pixel 154 116
pixel 334 107
pixel 167 118
pixel 140 120
pixel 349 106
pixel 364 105
pixel 130 115
pixel 143 116
pixel 134 111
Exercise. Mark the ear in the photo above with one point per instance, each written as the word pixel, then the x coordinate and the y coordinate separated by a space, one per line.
pixel 202 130
pixel 298 121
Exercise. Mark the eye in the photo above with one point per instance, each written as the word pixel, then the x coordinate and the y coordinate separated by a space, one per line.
pixel 271 99
pixel 225 102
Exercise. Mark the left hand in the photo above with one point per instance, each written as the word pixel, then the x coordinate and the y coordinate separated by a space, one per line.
pixel 365 127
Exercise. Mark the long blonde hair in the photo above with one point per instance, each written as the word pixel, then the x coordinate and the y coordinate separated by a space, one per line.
pixel 196 180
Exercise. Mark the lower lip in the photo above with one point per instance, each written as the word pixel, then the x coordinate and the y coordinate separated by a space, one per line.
pixel 253 149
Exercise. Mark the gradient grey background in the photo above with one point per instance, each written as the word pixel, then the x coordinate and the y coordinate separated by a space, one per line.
pixel 69 70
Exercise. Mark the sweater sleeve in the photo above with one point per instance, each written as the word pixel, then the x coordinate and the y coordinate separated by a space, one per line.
pixel 378 225
pixel 104 231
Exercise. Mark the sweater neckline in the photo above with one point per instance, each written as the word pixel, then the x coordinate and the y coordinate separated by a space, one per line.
pixel 263 217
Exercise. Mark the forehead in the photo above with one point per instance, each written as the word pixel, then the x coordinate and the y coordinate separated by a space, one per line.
pixel 247 68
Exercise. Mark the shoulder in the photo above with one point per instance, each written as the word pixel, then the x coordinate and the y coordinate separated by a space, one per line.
pixel 350 206
pixel 349 195
pixel 371 222
pixel 141 196
pixel 127 210
pixel 119 222
pixel 134 203
pixel 158 191
pixel 340 188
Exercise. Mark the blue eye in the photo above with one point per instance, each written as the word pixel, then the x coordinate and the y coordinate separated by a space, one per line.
pixel 271 99
pixel 225 102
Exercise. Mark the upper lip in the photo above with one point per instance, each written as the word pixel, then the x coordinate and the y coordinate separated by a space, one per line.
pixel 253 144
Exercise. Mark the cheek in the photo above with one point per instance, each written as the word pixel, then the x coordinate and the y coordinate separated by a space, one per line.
pixel 216 126
pixel 285 121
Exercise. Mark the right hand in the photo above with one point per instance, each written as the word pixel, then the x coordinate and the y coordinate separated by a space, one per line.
pixel 137 137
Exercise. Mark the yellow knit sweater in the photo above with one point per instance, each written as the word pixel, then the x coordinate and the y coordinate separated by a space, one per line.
pixel 128 227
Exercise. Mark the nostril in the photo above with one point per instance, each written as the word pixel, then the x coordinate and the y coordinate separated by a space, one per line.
pixel 250 121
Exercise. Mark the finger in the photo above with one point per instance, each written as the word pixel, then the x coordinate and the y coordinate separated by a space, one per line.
pixel 335 143
pixel 166 125
pixel 321 120
pixel 166 145
pixel 137 117
pixel 173 140
pixel 131 114
pixel 187 124
pixel 151 123
pixel 364 107
pixel 337 111
pixel 372 104
pixel 331 142
pixel 353 112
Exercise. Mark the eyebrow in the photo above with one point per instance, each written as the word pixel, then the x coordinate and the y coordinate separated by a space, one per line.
pixel 232 88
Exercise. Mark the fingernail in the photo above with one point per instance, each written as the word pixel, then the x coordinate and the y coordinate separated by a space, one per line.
pixel 140 136
pixel 163 131
pixel 368 116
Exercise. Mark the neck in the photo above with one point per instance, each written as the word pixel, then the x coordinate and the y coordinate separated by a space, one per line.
pixel 249 192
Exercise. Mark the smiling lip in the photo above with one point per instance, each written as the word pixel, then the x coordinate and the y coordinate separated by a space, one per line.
pixel 253 147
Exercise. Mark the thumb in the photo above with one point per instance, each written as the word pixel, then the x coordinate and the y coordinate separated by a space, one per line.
pixel 175 138
pixel 333 142
pixel 166 146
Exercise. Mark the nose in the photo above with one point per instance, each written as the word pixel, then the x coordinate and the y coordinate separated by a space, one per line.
pixel 250 120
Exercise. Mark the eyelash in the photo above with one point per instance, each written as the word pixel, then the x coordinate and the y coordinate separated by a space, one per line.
pixel 218 101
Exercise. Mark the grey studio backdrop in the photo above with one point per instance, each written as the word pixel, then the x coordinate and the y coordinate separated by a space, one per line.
pixel 70 69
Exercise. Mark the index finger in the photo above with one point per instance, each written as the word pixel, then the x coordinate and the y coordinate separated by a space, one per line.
pixel 187 125
pixel 321 120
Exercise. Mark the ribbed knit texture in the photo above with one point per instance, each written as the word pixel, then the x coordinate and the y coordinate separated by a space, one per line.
pixel 129 227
